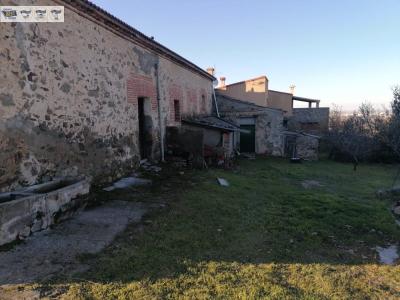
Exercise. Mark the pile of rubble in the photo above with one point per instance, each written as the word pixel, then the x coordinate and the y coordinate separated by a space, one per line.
pixel 149 167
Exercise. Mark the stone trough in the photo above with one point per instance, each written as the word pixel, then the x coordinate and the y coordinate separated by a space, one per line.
pixel 37 207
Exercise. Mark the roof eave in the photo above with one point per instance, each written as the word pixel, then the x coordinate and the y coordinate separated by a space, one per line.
pixel 106 19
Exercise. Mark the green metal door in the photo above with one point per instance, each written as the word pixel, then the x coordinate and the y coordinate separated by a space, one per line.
pixel 248 140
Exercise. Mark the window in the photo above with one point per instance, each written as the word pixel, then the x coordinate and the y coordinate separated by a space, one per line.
pixel 177 111
pixel 203 104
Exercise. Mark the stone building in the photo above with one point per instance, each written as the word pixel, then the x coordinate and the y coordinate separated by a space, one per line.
pixel 276 127
pixel 313 120
pixel 88 96
pixel 301 145
pixel 261 126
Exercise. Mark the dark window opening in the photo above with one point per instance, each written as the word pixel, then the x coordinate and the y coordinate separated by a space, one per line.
pixel 177 111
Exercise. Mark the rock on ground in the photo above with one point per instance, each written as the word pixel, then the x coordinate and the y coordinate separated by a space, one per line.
pixel 309 184
pixel 388 255
pixel 55 251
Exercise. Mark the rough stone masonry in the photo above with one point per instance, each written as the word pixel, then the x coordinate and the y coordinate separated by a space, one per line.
pixel 69 95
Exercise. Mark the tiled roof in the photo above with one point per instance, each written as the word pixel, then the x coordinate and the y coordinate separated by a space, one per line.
pixel 212 122
pixel 107 20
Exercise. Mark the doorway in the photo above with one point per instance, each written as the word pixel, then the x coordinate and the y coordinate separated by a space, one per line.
pixel 248 139
pixel 145 127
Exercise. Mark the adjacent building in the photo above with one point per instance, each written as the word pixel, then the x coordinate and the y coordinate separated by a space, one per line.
pixel 313 119
pixel 276 127
pixel 261 127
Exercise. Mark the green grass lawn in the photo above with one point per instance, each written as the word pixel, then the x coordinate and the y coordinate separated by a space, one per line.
pixel 265 236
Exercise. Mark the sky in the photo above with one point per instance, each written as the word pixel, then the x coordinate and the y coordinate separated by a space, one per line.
pixel 343 52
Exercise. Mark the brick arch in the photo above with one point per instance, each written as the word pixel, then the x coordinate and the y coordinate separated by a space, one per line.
pixel 141 86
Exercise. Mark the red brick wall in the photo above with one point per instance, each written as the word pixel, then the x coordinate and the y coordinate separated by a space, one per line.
pixel 190 100
pixel 141 86
pixel 175 93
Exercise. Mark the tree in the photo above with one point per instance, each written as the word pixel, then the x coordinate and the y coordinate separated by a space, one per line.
pixel 391 131
pixel 393 128
pixel 355 135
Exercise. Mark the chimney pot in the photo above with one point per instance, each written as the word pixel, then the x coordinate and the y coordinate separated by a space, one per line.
pixel 291 88
pixel 211 71
pixel 222 81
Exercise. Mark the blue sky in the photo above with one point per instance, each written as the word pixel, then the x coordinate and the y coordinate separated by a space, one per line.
pixel 343 51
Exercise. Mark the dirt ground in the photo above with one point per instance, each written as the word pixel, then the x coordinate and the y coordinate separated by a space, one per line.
pixel 57 251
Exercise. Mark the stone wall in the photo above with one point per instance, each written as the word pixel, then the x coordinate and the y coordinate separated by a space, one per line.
pixel 39 209
pixel 68 99
pixel 307 147
pixel 311 120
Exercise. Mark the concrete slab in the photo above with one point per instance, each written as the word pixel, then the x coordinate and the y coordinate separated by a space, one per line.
pixel 55 251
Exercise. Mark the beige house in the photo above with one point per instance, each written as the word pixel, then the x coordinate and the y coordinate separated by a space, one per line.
pixel 313 119
pixel 256 91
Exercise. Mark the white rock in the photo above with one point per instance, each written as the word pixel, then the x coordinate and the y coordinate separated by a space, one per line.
pixel 389 255
pixel 396 210
pixel 222 182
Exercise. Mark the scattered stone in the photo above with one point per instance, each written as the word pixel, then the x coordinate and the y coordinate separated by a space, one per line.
pixel 388 255
pixel 384 193
pixel 396 210
pixel 222 182
pixel 309 184
pixel 250 156
pixel 127 182
pixel 181 173
pixel 155 169
pixel 314 233
pixel 109 188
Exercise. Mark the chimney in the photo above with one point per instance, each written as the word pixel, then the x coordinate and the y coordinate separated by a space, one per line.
pixel 222 82
pixel 291 88
pixel 210 71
